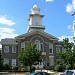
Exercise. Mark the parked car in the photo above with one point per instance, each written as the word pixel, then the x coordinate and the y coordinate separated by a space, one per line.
pixel 39 73
pixel 67 72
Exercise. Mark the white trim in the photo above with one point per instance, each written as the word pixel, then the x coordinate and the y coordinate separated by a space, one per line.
pixel 6 61
pixel 13 62
pixel 22 45
pixel 6 49
pixel 50 47
pixel 42 47
pixel 51 56
pixel 51 60
pixel 13 49
pixel 37 42
pixel 37 36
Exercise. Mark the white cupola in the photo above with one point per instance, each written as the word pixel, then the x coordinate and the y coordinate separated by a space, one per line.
pixel 35 10
pixel 35 20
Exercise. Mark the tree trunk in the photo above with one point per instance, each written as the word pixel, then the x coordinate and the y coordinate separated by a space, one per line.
pixel 30 69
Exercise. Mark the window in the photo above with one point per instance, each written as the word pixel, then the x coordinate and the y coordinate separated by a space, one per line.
pixel 42 48
pixel 6 49
pixel 13 49
pixel 6 61
pixel 50 48
pixel 22 46
pixel 37 42
pixel 13 62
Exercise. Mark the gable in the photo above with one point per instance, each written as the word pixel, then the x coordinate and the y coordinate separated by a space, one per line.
pixel 43 34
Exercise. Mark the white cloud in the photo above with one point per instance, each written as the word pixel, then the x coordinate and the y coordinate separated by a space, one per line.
pixel 49 0
pixel 70 7
pixel 7 33
pixel 69 27
pixel 6 30
pixel 4 20
pixel 69 37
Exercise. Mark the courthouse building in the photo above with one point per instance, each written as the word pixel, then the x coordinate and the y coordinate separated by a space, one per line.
pixel 46 43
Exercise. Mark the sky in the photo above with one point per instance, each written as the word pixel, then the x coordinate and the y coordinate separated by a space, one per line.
pixel 57 20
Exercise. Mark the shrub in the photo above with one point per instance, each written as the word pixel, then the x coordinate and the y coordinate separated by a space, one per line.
pixel 6 67
pixel 33 68
pixel 68 67
pixel 74 66
pixel 22 69
pixel 58 68
pixel 15 68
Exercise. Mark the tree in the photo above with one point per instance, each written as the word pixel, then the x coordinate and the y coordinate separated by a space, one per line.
pixel 1 64
pixel 68 56
pixel 29 56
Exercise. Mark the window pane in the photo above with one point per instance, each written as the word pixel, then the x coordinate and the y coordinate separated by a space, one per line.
pixel 37 42
pixel 50 47
pixel 6 61
pixel 22 45
pixel 13 62
pixel 6 49
pixel 13 49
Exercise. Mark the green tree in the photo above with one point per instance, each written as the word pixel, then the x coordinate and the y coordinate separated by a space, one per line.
pixel 29 56
pixel 1 64
pixel 68 56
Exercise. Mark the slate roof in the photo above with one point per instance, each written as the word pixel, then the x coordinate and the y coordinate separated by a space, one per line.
pixel 9 41
pixel 37 32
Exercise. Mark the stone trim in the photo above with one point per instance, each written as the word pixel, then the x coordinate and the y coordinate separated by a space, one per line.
pixel 37 36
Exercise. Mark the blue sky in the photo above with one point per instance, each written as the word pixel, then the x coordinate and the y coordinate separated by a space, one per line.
pixel 58 20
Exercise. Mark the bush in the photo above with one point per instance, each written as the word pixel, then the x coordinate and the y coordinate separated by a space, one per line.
pixel 1 66
pixel 15 68
pixel 58 68
pixel 74 66
pixel 6 67
pixel 33 68
pixel 68 67
pixel 22 69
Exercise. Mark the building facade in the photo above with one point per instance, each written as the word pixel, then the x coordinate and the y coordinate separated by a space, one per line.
pixel 46 43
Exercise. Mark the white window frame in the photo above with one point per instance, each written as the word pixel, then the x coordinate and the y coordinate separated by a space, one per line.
pixel 13 49
pixel 37 42
pixel 6 61
pixel 50 47
pixel 6 49
pixel 42 47
pixel 13 62
pixel 22 45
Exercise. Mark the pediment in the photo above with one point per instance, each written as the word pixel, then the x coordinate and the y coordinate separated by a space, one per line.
pixel 44 34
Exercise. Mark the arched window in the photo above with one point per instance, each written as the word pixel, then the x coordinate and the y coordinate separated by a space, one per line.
pixel 37 42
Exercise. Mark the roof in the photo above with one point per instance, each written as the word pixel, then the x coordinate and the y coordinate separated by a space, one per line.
pixel 51 37
pixel 8 41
